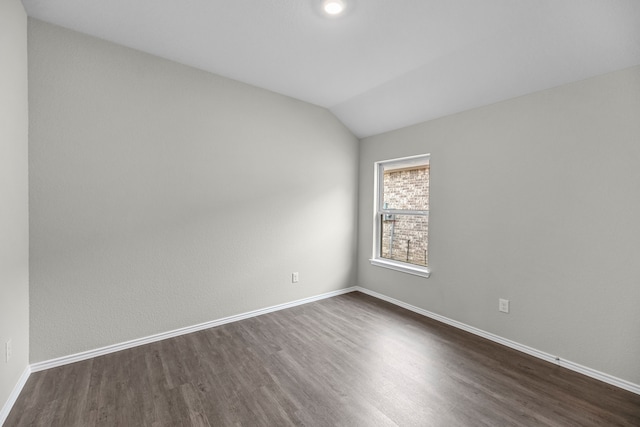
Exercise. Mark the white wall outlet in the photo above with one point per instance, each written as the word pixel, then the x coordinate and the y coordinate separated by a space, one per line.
pixel 295 277
pixel 503 305
pixel 7 351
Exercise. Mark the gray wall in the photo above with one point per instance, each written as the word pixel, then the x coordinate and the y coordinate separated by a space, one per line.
pixel 535 199
pixel 14 209
pixel 163 196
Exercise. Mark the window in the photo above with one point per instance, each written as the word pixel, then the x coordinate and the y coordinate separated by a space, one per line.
pixel 401 215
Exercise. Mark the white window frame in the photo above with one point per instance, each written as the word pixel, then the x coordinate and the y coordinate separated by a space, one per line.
pixel 379 210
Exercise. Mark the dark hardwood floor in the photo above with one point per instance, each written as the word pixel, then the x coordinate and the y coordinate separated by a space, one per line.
pixel 350 360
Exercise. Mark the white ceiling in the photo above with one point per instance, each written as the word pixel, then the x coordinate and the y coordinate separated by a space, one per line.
pixel 383 65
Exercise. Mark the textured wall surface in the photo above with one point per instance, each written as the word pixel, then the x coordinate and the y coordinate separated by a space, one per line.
pixel 536 200
pixel 163 196
pixel 14 208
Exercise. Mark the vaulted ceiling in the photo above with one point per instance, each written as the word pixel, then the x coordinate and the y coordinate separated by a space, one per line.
pixel 383 64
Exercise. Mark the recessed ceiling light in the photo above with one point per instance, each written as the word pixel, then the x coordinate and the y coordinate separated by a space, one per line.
pixel 333 7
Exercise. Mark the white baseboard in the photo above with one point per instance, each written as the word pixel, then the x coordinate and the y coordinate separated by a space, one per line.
pixel 609 379
pixel 4 413
pixel 65 360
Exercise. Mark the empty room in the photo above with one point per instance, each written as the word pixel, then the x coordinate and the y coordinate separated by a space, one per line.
pixel 319 213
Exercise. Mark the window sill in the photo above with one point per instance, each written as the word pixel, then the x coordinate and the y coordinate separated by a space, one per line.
pixel 401 266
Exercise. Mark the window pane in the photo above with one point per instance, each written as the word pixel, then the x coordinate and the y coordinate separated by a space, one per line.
pixel 406 188
pixel 404 238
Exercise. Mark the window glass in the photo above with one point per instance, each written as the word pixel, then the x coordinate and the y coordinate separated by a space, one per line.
pixel 406 188
pixel 401 232
pixel 404 238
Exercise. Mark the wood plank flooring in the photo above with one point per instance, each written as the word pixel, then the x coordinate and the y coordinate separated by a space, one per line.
pixel 350 360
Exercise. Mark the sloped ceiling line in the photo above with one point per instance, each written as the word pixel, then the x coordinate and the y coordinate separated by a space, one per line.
pixel 385 64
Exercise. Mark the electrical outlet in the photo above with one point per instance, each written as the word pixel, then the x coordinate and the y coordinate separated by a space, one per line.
pixel 8 351
pixel 295 277
pixel 503 305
